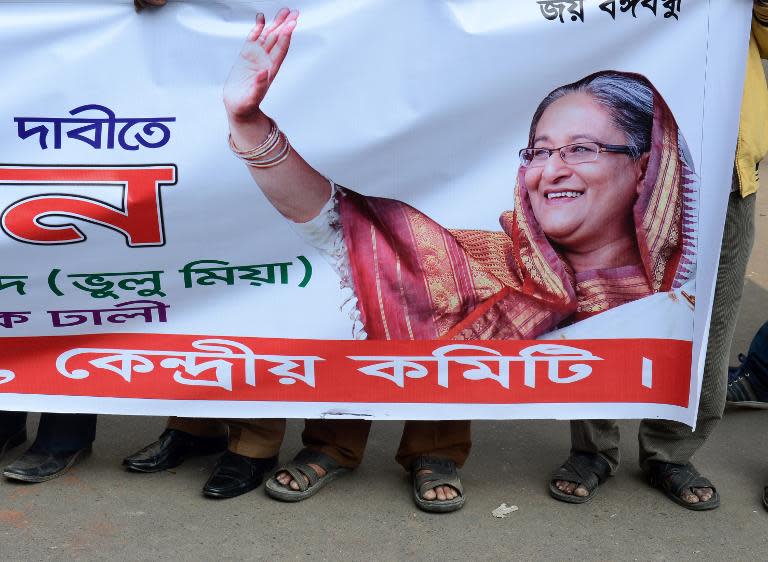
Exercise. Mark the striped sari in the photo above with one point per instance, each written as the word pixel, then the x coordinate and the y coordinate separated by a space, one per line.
pixel 415 279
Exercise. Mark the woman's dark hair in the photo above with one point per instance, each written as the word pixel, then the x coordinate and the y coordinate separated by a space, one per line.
pixel 627 97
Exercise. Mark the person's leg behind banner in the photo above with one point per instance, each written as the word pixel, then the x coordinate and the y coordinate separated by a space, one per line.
pixel 594 457
pixel 13 430
pixel 183 438
pixel 666 447
pixel 251 454
pixel 62 440
pixel 432 451
pixel 331 449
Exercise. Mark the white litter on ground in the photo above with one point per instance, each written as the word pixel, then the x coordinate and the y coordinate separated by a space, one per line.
pixel 504 510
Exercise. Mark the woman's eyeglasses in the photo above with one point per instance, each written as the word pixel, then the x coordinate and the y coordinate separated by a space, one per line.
pixel 578 153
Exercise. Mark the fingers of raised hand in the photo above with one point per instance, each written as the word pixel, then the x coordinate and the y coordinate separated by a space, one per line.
pixel 280 17
pixel 281 33
pixel 257 28
pixel 293 16
pixel 278 51
pixel 281 46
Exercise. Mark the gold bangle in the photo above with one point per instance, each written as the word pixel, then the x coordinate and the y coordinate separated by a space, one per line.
pixel 263 148
pixel 281 157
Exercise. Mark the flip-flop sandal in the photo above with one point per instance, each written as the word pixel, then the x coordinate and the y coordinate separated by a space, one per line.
pixel 443 474
pixel 583 469
pixel 673 479
pixel 309 481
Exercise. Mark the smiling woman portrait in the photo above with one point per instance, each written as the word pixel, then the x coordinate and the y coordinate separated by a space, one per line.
pixel 603 214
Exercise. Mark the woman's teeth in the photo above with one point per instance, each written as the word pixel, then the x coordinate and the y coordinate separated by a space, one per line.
pixel 558 195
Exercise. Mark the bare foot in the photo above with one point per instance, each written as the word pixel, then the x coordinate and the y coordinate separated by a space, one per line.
pixel 287 480
pixel 442 493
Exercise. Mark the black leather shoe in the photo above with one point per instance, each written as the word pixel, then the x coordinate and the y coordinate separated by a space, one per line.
pixel 9 442
pixel 235 475
pixel 40 466
pixel 171 449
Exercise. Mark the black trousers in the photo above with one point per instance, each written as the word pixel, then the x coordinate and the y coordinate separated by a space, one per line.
pixel 58 433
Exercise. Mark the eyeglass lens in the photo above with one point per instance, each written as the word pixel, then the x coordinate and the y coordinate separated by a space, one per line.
pixel 571 154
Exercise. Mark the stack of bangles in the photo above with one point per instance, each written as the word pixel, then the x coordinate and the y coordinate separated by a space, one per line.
pixel 274 150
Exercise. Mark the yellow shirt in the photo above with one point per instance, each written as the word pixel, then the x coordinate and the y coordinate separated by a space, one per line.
pixel 753 129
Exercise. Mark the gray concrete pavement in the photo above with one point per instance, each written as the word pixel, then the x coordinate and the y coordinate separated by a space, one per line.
pixel 100 512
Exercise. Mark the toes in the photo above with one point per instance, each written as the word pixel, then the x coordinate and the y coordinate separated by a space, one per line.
pixel 704 494
pixel 286 480
pixel 283 478
pixel 565 486
pixel 689 497
pixel 441 493
pixel 571 488
pixel 446 493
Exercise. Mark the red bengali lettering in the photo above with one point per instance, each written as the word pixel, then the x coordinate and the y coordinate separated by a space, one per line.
pixel 139 218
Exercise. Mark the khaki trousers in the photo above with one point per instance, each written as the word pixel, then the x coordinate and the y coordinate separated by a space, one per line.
pixel 343 440
pixel 258 438
pixel 668 441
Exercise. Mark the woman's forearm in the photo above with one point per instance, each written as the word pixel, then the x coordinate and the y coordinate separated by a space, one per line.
pixel 293 187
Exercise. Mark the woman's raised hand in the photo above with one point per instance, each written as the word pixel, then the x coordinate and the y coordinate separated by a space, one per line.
pixel 259 61
pixel 294 188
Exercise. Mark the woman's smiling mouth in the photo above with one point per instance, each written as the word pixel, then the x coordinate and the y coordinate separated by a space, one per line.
pixel 563 195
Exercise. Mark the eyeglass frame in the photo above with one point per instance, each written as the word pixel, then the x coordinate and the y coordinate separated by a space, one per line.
pixel 613 148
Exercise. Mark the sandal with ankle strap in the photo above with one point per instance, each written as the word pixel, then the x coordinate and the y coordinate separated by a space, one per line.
pixel 673 479
pixel 583 469
pixel 443 473
pixel 308 479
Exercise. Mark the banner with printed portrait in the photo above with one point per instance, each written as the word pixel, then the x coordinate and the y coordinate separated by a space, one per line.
pixel 340 208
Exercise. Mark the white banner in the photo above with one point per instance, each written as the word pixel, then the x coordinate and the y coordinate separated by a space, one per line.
pixel 542 183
